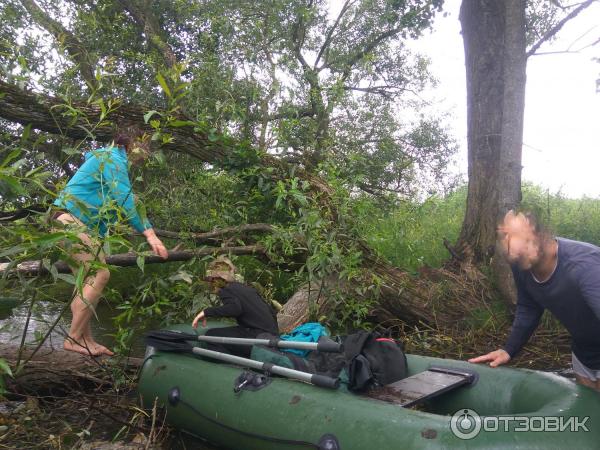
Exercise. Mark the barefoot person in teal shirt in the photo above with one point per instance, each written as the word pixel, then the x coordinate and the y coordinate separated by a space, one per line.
pixel 97 196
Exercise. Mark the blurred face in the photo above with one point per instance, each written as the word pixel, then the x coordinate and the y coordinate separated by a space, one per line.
pixel 216 284
pixel 518 241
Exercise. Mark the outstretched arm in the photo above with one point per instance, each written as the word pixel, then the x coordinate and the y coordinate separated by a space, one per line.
pixel 527 318
pixel 116 178
pixel 231 307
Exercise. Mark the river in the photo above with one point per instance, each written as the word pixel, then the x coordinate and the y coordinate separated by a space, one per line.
pixel 12 324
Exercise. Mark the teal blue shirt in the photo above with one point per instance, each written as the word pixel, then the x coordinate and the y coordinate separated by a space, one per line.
pixel 100 192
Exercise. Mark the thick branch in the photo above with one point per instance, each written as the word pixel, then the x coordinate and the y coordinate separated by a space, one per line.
pixel 371 45
pixel 53 115
pixel 75 49
pixel 556 28
pixel 130 259
pixel 292 114
pixel 329 36
pixel 147 21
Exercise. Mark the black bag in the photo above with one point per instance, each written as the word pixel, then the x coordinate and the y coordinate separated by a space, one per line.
pixel 369 360
pixel 373 361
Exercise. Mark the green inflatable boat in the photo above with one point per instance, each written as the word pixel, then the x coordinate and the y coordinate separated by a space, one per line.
pixel 502 408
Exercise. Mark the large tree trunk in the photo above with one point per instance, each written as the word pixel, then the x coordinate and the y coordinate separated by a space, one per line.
pixel 495 59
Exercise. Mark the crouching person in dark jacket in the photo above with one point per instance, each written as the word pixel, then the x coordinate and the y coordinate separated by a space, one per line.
pixel 239 301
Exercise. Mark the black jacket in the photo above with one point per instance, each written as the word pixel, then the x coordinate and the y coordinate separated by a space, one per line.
pixel 243 303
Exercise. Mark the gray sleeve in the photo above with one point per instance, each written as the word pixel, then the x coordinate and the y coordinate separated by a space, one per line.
pixel 588 278
pixel 527 318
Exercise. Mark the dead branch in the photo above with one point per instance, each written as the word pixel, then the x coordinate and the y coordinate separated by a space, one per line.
pixel 130 259
pixel 556 28
pixel 214 236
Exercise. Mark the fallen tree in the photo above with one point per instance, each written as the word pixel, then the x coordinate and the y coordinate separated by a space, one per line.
pixel 401 296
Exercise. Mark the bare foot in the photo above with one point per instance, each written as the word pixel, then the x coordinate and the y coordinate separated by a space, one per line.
pixel 88 348
pixel 100 349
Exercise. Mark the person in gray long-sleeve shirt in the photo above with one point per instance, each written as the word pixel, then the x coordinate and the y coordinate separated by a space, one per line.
pixel 557 274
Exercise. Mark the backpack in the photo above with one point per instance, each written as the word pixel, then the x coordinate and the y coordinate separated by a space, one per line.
pixel 373 360
pixel 369 360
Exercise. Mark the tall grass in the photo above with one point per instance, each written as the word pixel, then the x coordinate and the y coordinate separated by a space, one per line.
pixel 577 219
pixel 410 234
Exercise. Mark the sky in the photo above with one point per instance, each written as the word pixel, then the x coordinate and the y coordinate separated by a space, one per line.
pixel 561 141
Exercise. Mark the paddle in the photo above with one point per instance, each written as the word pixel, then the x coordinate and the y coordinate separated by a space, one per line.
pixel 173 346
pixel 176 336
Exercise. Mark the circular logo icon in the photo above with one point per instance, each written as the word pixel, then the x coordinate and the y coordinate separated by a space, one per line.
pixel 465 424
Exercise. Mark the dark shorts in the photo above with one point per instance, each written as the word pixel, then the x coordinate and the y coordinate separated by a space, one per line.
pixel 57 213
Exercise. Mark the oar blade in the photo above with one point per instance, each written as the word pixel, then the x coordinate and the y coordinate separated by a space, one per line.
pixel 166 345
pixel 173 336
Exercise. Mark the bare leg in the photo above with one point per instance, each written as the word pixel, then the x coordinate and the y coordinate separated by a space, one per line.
pixel 80 337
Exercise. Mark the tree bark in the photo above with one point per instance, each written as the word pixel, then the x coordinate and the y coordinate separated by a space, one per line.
pixel 495 60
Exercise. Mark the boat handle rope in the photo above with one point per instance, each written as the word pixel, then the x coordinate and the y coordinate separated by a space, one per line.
pixel 327 441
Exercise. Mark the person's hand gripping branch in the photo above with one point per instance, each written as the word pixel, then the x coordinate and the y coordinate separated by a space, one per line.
pixel 155 243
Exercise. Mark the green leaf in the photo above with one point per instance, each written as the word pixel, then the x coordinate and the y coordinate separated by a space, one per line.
pixel 48 239
pixel 140 261
pixel 163 84
pixel 183 276
pixel 181 123
pixel 11 156
pixel 54 271
pixel 212 136
pixel 100 103
pixel 66 277
pixel 159 156
pixel 149 114
pixel 12 250
pixel 70 151
pixel 26 133
pixel 80 278
pixel 12 184
pixel 5 368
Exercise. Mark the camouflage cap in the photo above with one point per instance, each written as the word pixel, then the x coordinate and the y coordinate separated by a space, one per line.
pixel 222 267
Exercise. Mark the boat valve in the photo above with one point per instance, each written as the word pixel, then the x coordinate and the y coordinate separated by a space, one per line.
pixel 250 381
pixel 174 396
pixel 239 386
pixel 328 442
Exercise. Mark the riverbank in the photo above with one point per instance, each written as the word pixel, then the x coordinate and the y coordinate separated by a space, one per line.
pixel 65 400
